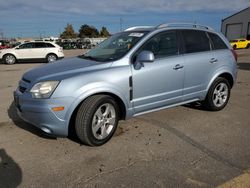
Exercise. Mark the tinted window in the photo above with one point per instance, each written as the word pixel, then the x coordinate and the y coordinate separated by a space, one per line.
pixel 40 45
pixel 26 45
pixel 195 41
pixel 162 44
pixel 49 45
pixel 217 41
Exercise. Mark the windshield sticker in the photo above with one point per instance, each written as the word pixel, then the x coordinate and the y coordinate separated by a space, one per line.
pixel 136 34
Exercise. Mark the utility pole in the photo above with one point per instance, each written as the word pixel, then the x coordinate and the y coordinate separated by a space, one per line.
pixel 121 23
pixel 1 33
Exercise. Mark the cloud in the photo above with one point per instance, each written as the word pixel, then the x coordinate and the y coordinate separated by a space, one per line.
pixel 113 7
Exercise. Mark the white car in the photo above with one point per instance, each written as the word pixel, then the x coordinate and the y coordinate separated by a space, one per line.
pixel 32 51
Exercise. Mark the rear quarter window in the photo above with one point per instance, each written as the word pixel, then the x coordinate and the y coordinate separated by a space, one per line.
pixel 49 45
pixel 195 41
pixel 217 42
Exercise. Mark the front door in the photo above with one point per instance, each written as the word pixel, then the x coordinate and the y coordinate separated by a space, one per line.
pixel 24 51
pixel 160 83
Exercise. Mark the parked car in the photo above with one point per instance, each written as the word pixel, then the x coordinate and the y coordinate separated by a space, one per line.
pixel 32 51
pixel 4 45
pixel 240 43
pixel 140 70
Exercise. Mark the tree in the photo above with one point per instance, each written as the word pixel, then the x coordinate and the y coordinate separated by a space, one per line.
pixel 104 32
pixel 88 31
pixel 68 32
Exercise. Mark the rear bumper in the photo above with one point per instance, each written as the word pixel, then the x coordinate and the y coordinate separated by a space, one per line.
pixel 38 112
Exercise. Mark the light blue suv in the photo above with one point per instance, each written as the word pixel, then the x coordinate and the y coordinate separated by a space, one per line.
pixel 140 70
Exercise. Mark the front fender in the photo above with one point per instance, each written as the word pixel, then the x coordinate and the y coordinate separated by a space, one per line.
pixel 95 88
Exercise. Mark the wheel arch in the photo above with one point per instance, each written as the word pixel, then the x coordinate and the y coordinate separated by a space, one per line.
pixel 51 53
pixel 120 102
pixel 226 75
pixel 9 53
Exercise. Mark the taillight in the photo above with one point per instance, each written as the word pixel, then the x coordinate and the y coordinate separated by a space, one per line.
pixel 235 54
pixel 60 49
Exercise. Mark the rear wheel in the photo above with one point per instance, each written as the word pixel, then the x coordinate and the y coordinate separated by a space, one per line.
pixel 9 59
pixel 218 95
pixel 248 46
pixel 234 47
pixel 51 58
pixel 97 120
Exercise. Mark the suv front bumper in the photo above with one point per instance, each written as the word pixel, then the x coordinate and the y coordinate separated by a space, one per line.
pixel 39 113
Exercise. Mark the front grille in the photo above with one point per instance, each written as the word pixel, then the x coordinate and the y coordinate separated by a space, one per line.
pixel 22 89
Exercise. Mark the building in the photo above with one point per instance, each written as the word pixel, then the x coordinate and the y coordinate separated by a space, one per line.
pixel 237 25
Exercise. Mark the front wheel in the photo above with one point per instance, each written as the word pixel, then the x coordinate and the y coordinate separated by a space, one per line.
pixel 218 95
pixel 97 120
pixel 9 59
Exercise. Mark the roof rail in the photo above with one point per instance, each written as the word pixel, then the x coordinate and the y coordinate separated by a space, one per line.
pixel 138 27
pixel 192 25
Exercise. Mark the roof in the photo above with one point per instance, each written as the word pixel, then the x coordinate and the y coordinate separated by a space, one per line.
pixel 236 13
pixel 170 25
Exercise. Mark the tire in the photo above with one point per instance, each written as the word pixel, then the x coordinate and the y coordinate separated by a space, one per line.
pixel 234 47
pixel 51 58
pixel 248 46
pixel 218 95
pixel 9 59
pixel 94 126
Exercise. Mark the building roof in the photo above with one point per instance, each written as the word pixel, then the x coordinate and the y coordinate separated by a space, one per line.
pixel 236 13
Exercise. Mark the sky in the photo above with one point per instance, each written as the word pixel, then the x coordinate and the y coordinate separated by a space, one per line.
pixel 45 18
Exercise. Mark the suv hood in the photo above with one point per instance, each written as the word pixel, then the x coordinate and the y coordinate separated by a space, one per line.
pixel 63 69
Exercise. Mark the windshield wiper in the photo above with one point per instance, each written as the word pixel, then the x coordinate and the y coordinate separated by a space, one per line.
pixel 88 57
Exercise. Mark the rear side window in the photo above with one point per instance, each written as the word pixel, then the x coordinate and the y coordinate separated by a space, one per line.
pixel 26 45
pixel 217 42
pixel 40 45
pixel 195 41
pixel 49 45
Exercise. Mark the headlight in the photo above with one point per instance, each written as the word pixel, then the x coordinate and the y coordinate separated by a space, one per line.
pixel 43 89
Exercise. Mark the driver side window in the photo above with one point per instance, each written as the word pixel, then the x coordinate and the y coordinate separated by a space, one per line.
pixel 162 45
pixel 26 45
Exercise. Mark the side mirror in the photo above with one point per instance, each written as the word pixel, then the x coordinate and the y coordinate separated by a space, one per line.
pixel 145 57
pixel 17 48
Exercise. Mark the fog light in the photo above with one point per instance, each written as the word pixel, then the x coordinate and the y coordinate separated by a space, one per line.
pixel 58 108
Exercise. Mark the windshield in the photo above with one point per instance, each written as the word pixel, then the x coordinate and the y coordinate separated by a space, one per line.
pixel 115 47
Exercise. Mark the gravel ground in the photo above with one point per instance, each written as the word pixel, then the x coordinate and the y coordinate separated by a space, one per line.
pixel 177 147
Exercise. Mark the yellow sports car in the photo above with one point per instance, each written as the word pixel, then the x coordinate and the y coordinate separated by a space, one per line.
pixel 240 43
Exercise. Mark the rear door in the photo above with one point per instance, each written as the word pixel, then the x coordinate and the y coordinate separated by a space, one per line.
pixel 199 61
pixel 40 50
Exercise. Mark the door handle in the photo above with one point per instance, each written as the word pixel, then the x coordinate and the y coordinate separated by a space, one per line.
pixel 178 66
pixel 213 60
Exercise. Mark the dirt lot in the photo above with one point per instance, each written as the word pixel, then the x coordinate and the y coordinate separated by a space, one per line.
pixel 178 147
